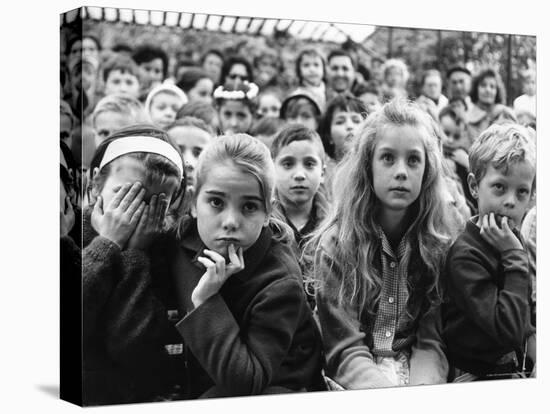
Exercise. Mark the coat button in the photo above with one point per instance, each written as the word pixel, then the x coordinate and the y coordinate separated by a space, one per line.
pixel 392 265
pixel 388 334
pixel 391 299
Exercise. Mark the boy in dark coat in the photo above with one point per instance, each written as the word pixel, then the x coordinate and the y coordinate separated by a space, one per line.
pixel 487 326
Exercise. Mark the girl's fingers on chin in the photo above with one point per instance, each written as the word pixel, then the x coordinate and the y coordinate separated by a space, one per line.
pixel 206 262
pixel 218 258
pixel 241 255
pixel 233 258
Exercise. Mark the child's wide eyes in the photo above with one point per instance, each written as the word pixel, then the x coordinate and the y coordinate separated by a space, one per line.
pixel 250 207
pixel 216 202
pixel 387 157
pixel 414 160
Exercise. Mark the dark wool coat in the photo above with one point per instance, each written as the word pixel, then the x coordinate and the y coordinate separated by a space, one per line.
pixel 257 332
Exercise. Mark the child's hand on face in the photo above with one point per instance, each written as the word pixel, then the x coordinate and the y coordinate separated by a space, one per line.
pixel 217 272
pixel 501 237
pixel 118 220
pixel 149 224
pixel 66 217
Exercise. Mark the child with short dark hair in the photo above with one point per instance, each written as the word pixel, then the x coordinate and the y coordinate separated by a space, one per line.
pixel 197 85
pixel 343 118
pixel 300 107
pixel 121 76
pixel 299 158
pixel 487 312
pixel 153 66
pixel 267 66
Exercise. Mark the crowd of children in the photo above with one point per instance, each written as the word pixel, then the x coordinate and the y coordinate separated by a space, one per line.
pixel 239 237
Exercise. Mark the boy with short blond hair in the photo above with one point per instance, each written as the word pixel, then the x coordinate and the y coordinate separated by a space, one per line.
pixel 487 324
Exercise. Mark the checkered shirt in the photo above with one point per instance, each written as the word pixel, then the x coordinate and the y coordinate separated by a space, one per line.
pixel 392 317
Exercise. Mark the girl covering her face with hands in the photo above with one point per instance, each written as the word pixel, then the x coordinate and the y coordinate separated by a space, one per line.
pixel 136 172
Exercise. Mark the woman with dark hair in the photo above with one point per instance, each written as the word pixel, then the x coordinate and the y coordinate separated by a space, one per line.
pixel 488 97
pixel 236 70
pixel 212 62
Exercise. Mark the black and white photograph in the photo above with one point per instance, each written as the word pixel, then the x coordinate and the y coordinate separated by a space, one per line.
pixel 276 206
pixel 294 209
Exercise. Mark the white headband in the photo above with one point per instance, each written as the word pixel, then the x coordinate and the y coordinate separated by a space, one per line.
pixel 128 145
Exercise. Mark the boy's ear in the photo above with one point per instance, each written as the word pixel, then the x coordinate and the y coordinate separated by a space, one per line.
pixel 323 170
pixel 472 185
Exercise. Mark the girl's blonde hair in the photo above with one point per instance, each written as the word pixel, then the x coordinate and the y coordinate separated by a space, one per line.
pixel 347 241
pixel 252 157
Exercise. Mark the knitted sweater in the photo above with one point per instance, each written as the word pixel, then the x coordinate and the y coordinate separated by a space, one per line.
pixel 125 325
